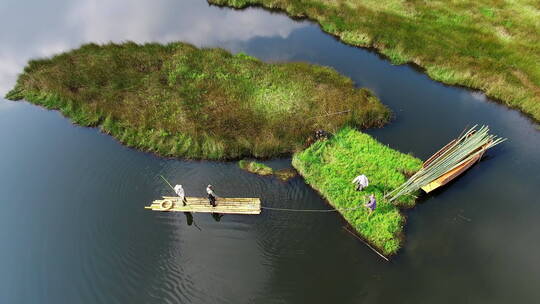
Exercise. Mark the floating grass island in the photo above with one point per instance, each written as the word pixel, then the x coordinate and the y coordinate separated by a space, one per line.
pixel 329 167
pixel 255 167
pixel 264 170
pixel 179 100
pixel 488 45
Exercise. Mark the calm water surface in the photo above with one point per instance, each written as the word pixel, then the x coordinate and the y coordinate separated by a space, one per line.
pixel 73 228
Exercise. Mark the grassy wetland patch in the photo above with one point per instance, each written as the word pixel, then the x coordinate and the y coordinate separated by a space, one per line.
pixel 489 45
pixel 329 167
pixel 262 169
pixel 179 100
pixel 255 167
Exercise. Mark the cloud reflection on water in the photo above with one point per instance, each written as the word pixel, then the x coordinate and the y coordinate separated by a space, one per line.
pixel 73 23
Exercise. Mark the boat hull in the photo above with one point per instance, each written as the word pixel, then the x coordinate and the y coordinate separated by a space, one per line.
pixel 450 175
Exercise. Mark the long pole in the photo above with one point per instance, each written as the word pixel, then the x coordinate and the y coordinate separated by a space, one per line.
pixel 168 183
pixel 374 250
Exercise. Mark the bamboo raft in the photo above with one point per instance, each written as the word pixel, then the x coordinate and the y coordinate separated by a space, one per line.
pixel 201 204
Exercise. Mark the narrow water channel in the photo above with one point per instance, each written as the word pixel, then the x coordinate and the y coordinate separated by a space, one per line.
pixel 73 228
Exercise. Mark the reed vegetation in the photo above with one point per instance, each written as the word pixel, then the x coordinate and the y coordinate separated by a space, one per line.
pixel 329 166
pixel 255 167
pixel 179 100
pixel 489 45
pixel 262 169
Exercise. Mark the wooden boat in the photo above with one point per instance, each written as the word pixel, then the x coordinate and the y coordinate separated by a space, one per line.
pixel 449 162
pixel 456 171
pixel 201 204
pixel 439 153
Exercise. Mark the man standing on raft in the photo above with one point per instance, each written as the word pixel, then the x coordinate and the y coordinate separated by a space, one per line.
pixel 181 194
pixel 211 195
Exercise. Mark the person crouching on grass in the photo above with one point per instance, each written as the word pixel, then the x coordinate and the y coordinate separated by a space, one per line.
pixel 361 181
pixel 371 204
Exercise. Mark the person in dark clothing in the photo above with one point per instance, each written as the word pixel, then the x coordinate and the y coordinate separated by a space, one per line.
pixel 211 195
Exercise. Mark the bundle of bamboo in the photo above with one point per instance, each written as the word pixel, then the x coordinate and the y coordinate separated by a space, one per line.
pixel 448 162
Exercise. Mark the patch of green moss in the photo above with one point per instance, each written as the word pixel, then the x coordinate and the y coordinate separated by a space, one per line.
pixel 262 169
pixel 179 100
pixel 330 166
pixel 255 167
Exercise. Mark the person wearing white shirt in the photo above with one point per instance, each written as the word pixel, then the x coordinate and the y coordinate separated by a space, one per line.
pixel 181 194
pixel 361 181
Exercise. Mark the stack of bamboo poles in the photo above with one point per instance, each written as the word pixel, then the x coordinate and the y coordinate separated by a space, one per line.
pixel 460 151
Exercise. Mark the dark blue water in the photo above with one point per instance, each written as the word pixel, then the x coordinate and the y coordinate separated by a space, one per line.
pixel 73 228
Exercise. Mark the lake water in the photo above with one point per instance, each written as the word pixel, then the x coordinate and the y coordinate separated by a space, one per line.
pixel 73 228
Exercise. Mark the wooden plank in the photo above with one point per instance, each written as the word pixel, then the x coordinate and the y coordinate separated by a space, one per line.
pixel 201 204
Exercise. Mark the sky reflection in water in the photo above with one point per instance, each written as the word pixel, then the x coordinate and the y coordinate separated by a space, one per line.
pixel 64 25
